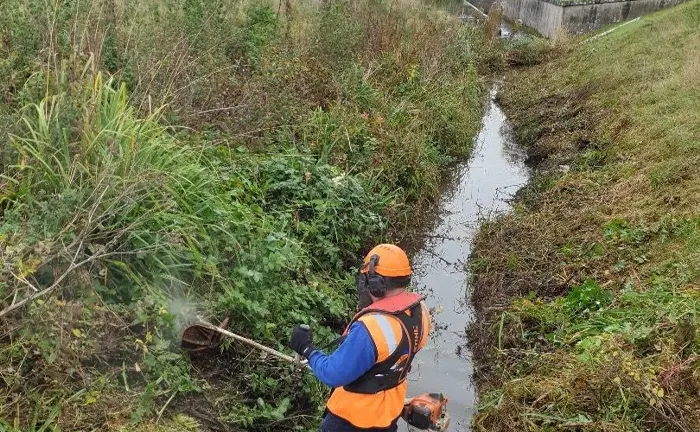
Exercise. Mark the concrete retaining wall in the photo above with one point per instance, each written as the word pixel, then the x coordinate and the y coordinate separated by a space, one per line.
pixel 544 17
pixel 549 16
pixel 582 18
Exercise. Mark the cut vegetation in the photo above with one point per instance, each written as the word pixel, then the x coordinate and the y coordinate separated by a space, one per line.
pixel 588 294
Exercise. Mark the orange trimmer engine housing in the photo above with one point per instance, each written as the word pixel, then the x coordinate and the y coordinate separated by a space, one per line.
pixel 427 411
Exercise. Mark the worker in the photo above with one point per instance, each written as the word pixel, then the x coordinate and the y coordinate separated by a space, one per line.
pixel 368 370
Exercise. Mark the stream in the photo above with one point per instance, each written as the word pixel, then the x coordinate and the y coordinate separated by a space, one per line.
pixel 480 189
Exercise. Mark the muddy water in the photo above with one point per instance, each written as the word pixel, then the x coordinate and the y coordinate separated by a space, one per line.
pixel 480 189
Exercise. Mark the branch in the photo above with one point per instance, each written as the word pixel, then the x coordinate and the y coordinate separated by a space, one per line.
pixel 53 286
pixel 72 267
pixel 25 281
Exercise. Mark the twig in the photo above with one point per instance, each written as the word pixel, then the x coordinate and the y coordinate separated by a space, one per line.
pixel 160 413
pixel 24 280
pixel 14 297
pixel 220 109
pixel 213 423
pixel 55 285
pixel 431 252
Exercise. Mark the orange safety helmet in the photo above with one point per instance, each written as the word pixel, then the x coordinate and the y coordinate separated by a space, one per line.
pixel 385 267
pixel 392 261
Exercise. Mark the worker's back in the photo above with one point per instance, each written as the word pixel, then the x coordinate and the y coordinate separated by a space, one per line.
pixel 368 370
pixel 399 328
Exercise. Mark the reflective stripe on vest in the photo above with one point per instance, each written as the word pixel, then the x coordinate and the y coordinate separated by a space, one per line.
pixel 391 371
pixel 385 331
pixel 379 410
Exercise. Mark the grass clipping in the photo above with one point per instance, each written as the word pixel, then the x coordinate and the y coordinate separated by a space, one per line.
pixel 587 294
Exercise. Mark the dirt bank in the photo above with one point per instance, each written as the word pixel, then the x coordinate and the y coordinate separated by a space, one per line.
pixel 586 294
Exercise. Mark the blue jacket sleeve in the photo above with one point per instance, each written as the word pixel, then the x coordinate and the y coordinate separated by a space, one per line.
pixel 355 356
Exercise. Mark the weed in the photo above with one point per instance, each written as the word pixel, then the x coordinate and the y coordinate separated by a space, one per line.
pixel 586 297
pixel 528 51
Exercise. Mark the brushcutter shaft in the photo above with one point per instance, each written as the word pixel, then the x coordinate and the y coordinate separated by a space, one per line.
pixel 250 342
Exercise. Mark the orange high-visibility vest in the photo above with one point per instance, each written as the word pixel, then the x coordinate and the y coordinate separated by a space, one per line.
pixel 399 327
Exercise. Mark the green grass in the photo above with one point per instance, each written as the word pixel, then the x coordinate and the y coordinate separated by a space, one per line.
pixel 600 328
pixel 163 159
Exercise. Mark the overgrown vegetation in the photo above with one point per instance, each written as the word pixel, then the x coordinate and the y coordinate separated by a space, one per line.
pixel 587 294
pixel 168 159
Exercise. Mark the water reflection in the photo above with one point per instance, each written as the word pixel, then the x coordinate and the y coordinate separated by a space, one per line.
pixel 481 189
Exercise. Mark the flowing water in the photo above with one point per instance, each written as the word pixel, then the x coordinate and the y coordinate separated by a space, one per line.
pixel 481 189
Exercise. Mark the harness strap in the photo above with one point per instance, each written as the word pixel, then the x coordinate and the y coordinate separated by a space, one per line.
pixel 391 371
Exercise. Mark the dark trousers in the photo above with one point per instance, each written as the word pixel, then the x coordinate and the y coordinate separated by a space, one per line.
pixel 332 423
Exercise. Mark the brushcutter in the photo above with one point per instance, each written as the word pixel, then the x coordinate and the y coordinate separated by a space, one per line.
pixel 425 412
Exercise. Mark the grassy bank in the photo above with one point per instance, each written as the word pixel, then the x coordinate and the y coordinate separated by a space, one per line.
pixel 163 159
pixel 587 294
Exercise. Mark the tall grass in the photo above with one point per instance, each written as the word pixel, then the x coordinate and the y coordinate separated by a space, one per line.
pixel 256 74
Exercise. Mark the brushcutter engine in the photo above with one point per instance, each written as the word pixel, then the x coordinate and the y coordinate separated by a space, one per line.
pixel 427 412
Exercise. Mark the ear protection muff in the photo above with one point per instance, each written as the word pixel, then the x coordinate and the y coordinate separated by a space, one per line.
pixel 375 282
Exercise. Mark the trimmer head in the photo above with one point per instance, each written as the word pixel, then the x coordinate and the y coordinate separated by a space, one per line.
pixel 199 337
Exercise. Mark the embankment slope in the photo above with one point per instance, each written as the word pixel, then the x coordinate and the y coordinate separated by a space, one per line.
pixel 587 294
